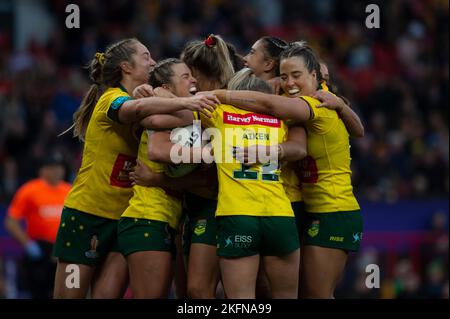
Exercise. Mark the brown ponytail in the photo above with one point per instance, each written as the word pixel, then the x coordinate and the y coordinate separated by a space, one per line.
pixel 104 72
pixel 211 57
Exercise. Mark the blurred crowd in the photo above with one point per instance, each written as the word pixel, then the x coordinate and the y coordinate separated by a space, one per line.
pixel 396 78
pixel 416 268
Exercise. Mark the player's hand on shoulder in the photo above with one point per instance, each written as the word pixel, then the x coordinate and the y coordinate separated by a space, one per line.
pixel 143 90
pixel 328 100
pixel 203 102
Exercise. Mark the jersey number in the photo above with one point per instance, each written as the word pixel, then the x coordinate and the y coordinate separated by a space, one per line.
pixel 270 172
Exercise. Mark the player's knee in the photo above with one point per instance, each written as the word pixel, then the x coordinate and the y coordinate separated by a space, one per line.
pixel 199 291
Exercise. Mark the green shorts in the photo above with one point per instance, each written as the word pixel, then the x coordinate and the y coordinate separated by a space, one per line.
pixel 200 224
pixel 340 230
pixel 137 234
pixel 84 238
pixel 241 236
pixel 299 212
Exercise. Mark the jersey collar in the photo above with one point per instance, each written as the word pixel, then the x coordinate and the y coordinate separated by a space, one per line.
pixel 123 89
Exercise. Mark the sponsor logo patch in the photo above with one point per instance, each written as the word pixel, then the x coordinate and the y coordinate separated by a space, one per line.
pixel 251 119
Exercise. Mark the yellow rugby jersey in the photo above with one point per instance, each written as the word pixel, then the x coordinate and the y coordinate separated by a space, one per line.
pixel 291 183
pixel 326 174
pixel 243 190
pixel 102 186
pixel 153 202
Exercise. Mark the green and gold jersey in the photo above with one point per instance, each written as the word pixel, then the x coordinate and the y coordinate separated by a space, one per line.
pixel 291 182
pixel 326 174
pixel 244 190
pixel 153 203
pixel 102 186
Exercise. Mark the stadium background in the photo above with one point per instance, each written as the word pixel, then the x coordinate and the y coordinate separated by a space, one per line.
pixel 395 76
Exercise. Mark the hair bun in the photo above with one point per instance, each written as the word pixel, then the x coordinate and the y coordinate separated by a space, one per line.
pixel 210 41
pixel 100 57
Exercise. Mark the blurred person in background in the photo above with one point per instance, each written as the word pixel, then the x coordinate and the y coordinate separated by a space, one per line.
pixel 435 280
pixel 406 281
pixel 2 280
pixel 39 204
pixel 445 290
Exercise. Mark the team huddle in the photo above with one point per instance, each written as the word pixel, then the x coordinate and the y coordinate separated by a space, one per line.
pixel 210 169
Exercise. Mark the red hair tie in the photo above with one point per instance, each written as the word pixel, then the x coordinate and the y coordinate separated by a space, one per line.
pixel 210 41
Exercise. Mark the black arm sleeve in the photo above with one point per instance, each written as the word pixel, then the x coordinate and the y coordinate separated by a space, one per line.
pixel 113 111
